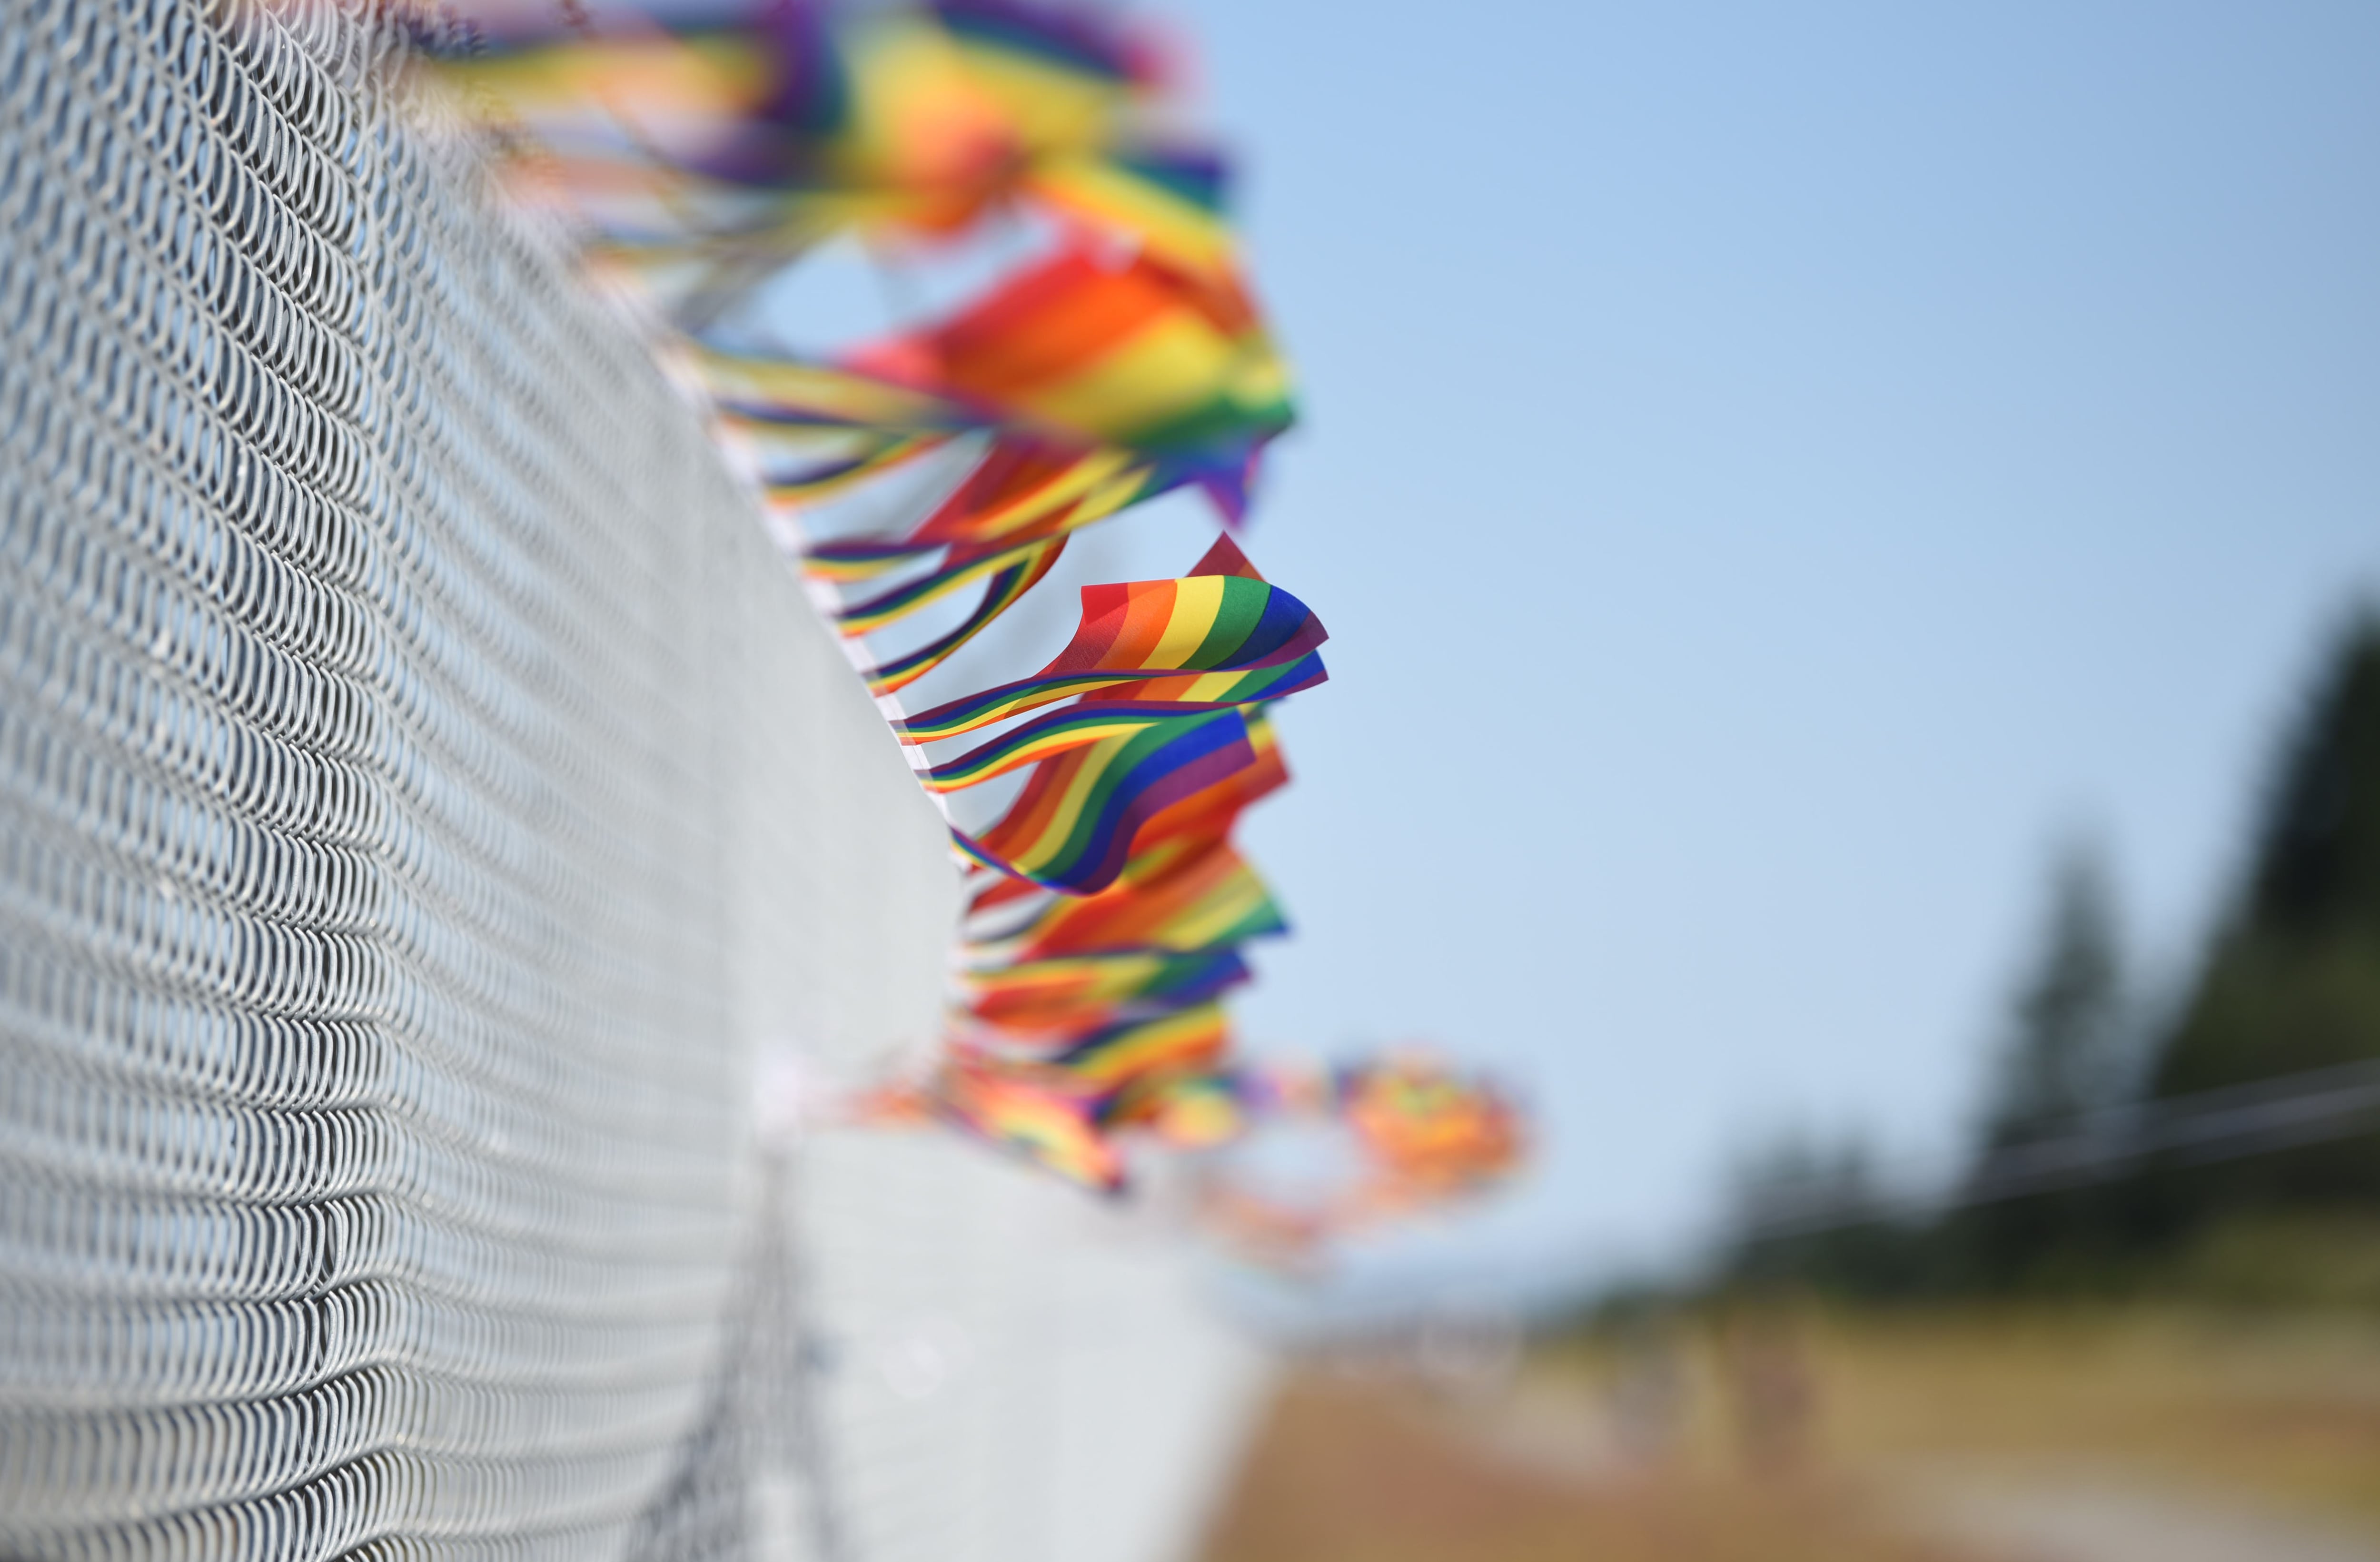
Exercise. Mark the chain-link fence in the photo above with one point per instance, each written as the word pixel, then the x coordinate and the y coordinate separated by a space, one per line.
pixel 424 800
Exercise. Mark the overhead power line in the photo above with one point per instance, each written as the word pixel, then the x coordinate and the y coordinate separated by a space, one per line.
pixel 2282 1113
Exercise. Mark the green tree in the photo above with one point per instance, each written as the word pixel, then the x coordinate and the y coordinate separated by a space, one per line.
pixel 2066 1051
pixel 1813 1215
pixel 2291 982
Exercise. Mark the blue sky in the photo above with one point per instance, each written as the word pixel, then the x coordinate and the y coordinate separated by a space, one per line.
pixel 1769 473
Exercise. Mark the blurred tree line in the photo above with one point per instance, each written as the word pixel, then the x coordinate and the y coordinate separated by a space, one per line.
pixel 2067 1186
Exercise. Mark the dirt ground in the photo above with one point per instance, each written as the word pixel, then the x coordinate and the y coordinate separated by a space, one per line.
pixel 2072 1438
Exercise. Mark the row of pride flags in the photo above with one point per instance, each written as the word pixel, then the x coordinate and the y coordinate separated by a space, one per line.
pixel 935 476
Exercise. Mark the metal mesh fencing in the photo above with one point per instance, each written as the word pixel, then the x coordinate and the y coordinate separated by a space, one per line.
pixel 388 679
pixel 423 795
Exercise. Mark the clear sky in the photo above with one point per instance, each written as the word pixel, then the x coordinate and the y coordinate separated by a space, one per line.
pixel 1769 472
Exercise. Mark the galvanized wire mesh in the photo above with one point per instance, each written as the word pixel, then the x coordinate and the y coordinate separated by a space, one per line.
pixel 388 668
pixel 423 793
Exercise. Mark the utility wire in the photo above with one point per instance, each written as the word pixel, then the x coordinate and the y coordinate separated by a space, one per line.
pixel 2215 1125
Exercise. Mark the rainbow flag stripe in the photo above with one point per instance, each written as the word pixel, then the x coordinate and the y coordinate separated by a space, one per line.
pixel 1034 1114
pixel 1129 1056
pixel 1243 637
pixel 1002 591
pixel 1068 996
pixel 1074 826
pixel 1114 714
pixel 1139 354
